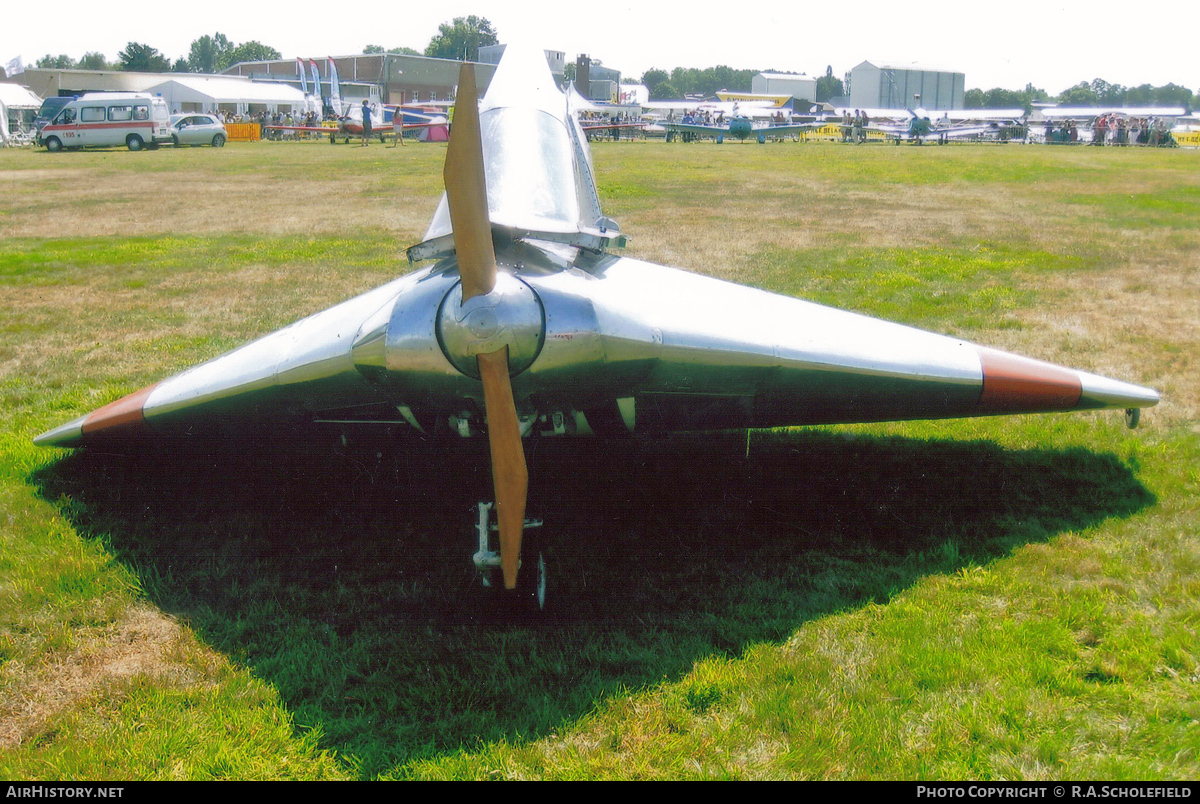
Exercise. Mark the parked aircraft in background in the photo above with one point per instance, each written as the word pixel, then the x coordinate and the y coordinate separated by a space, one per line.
pixel 350 125
pixel 525 324
pixel 917 126
pixel 741 126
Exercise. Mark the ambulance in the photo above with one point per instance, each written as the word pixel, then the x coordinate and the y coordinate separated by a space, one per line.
pixel 105 119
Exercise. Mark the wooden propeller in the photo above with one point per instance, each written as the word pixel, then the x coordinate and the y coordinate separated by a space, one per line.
pixel 466 196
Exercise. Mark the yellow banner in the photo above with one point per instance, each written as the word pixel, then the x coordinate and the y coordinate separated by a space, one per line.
pixel 1188 139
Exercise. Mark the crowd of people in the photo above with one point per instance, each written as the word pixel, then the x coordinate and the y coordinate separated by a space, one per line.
pixel 1111 129
pixel 599 125
pixel 854 126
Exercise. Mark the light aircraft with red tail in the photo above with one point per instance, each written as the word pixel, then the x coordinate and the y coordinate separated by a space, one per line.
pixel 525 323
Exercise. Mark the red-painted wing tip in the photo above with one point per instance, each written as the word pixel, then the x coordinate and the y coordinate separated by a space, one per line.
pixel 124 412
pixel 1013 384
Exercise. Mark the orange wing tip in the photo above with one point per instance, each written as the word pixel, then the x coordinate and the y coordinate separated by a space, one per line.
pixel 1013 384
pixel 125 413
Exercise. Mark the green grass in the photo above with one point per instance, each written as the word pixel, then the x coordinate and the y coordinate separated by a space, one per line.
pixel 996 598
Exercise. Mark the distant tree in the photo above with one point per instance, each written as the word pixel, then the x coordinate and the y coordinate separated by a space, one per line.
pixel 828 86
pixel 93 60
pixel 250 51
pixel 997 98
pixel 48 62
pixel 403 51
pixel 665 90
pixel 209 54
pixel 1081 94
pixel 1173 95
pixel 693 81
pixel 1142 95
pixel 653 79
pixel 462 38
pixel 137 57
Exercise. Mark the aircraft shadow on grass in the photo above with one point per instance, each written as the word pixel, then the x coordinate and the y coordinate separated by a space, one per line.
pixel 344 578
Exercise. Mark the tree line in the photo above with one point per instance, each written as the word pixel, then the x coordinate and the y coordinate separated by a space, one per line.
pixel 460 38
pixel 1086 93
pixel 208 54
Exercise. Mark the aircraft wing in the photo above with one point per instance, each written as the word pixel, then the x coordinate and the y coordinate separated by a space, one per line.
pixel 683 352
pixel 610 126
pixel 696 128
pixel 788 129
pixel 289 374
pixel 318 129
pixel 963 132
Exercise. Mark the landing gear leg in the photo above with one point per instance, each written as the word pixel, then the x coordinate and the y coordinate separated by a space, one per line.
pixel 531 578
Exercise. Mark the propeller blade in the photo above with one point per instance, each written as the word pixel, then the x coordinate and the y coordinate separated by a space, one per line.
pixel 466 192
pixel 466 196
pixel 509 474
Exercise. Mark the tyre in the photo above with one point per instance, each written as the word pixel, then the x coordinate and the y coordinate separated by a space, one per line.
pixel 53 144
pixel 532 579
pixel 218 140
pixel 175 139
pixel 134 142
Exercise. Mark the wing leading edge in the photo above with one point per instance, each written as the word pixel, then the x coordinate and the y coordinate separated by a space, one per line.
pixel 682 350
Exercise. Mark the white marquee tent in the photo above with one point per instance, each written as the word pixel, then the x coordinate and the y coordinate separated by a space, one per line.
pixel 203 93
pixel 17 108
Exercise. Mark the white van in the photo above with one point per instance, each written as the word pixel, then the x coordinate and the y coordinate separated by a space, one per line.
pixel 98 119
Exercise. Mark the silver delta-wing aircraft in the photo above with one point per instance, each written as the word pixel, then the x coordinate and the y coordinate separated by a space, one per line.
pixel 525 323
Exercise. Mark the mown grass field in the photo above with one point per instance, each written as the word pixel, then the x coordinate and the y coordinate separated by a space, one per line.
pixel 1011 598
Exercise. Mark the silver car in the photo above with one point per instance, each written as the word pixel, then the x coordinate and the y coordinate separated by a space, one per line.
pixel 197 129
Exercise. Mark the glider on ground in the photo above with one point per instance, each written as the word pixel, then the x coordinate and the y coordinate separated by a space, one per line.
pixel 525 324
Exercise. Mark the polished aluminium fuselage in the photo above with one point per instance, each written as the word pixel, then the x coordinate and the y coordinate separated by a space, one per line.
pixel 596 342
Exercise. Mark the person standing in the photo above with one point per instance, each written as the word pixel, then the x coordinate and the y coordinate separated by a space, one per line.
pixel 366 123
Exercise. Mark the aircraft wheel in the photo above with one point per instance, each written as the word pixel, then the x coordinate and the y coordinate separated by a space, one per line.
pixel 533 578
pixel 1132 417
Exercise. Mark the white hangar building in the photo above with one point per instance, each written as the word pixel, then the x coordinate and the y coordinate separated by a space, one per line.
pixel 889 85
pixel 801 87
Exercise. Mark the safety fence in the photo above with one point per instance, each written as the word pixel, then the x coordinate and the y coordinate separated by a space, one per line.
pixel 243 132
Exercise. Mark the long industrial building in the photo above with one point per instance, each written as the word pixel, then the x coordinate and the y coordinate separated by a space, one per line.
pixel 399 78
pixel 886 85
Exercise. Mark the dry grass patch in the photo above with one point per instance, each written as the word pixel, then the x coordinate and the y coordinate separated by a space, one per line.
pixel 144 643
